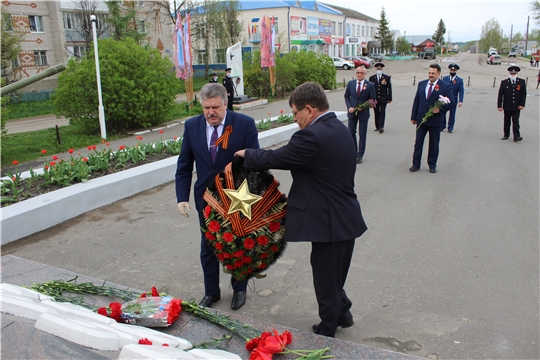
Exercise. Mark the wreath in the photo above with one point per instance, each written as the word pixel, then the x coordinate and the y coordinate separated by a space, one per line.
pixel 244 220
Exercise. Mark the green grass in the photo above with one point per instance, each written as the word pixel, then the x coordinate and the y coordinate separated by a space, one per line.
pixel 28 109
pixel 27 146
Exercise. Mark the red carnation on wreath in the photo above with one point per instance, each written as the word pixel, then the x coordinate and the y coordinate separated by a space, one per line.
pixel 244 220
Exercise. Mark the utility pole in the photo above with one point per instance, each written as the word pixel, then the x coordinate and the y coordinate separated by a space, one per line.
pixel 527 35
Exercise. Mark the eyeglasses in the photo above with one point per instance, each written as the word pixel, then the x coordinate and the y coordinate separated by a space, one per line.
pixel 296 112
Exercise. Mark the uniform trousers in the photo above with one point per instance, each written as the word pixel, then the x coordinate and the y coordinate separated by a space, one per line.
pixel 380 116
pixel 511 117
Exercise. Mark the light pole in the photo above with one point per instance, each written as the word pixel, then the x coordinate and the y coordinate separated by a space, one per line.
pixel 98 76
pixel 333 48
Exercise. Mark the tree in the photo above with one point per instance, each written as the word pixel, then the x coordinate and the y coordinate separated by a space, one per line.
pixel 10 46
pixel 168 9
pixel 403 46
pixel 490 35
pixel 122 20
pixel 138 88
pixel 438 36
pixel 383 32
pixel 517 37
pixel 83 10
pixel 535 8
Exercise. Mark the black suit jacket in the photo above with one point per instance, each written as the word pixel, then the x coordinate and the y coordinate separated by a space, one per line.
pixel 322 205
pixel 421 105
pixel 383 88
pixel 512 96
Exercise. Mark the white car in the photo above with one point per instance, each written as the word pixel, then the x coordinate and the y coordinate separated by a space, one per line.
pixel 342 63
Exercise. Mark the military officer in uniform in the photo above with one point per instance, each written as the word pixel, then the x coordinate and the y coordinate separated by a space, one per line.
pixel 383 91
pixel 229 86
pixel 511 100
pixel 214 78
pixel 458 91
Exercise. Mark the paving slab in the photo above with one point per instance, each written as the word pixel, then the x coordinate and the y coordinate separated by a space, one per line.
pixel 21 340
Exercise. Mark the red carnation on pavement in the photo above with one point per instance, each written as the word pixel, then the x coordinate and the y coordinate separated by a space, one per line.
pixel 102 311
pixel 154 291
pixel 145 341
pixel 116 311
pixel 143 295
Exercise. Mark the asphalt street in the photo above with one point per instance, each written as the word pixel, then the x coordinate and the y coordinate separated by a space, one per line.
pixel 449 268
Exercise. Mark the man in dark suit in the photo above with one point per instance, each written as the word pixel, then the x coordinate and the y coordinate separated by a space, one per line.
pixel 322 207
pixel 358 92
pixel 229 86
pixel 214 78
pixel 456 83
pixel 198 145
pixel 511 99
pixel 383 90
pixel 427 95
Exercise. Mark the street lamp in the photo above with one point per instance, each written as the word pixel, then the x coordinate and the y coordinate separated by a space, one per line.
pixel 333 49
pixel 101 110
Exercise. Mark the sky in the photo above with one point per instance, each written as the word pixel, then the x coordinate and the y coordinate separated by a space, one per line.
pixel 463 19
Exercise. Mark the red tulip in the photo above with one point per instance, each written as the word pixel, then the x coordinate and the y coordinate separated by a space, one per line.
pixel 15 162
pixel 161 131
pixel 43 151
pixel 71 151
pixel 122 147
pixel 85 159
pixel 55 157
pixel 89 147
pixel 52 163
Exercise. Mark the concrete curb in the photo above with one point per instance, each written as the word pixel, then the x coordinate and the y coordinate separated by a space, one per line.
pixel 42 212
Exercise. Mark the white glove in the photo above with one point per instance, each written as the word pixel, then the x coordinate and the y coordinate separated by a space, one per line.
pixel 183 207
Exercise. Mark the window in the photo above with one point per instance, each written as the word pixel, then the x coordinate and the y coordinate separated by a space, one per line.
pixel 6 22
pixel 276 25
pixel 363 31
pixel 15 63
pixel 36 23
pixel 220 56
pixel 348 30
pixel 353 29
pixel 139 3
pixel 358 31
pixel 40 58
pixel 340 29
pixel 71 20
pixel 77 51
pixel 372 31
pixel 201 56
pixel 140 27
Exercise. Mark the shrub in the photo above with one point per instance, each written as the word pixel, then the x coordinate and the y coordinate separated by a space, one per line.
pixel 138 88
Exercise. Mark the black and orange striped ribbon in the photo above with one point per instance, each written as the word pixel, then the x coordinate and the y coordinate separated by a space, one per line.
pixel 224 138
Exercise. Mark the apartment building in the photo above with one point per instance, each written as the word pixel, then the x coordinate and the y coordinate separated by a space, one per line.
pixel 52 33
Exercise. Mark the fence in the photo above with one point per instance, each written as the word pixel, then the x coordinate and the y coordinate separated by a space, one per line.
pixel 21 97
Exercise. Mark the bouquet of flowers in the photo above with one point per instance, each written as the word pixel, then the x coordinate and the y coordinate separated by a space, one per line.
pixel 366 105
pixel 443 100
pixel 244 219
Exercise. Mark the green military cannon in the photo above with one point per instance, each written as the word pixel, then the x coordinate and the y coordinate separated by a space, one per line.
pixel 32 79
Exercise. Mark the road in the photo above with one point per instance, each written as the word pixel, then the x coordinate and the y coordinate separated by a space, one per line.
pixel 449 268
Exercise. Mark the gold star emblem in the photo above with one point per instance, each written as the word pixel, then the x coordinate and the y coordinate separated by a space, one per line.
pixel 242 199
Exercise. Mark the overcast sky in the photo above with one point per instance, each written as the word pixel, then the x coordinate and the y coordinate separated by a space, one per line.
pixel 463 19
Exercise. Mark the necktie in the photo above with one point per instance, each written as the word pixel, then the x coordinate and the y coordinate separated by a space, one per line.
pixel 358 88
pixel 429 90
pixel 213 148
pixel 379 79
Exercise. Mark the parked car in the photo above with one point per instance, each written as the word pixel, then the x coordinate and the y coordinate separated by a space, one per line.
pixel 369 60
pixel 494 60
pixel 358 61
pixel 376 57
pixel 342 63
pixel 512 54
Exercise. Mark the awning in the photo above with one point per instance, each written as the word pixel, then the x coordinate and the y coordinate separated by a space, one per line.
pixel 308 42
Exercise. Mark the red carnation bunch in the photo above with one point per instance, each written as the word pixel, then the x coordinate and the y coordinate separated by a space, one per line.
pixel 268 344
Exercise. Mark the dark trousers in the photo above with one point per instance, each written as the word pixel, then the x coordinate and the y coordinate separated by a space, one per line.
pixel 330 264
pixel 362 133
pixel 511 117
pixel 380 115
pixel 433 150
pixel 211 268
pixel 230 102
pixel 451 117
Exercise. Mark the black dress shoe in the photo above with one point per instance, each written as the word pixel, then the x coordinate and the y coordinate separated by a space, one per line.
pixel 414 168
pixel 450 131
pixel 359 160
pixel 504 138
pixel 518 139
pixel 381 131
pixel 238 299
pixel 207 301
pixel 376 130
pixel 344 325
pixel 432 170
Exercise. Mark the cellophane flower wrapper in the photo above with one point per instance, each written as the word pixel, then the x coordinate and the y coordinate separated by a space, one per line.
pixel 153 311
